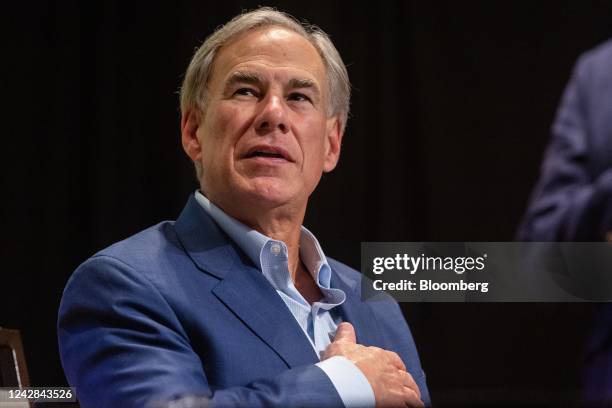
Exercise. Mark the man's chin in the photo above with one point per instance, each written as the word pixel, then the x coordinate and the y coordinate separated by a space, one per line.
pixel 268 199
pixel 270 194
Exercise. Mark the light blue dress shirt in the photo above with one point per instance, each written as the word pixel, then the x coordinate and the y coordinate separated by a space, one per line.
pixel 319 320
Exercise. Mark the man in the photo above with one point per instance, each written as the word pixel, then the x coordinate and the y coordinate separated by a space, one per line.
pixel 573 198
pixel 235 301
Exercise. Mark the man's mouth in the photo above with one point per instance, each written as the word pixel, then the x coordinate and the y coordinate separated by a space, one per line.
pixel 265 154
pixel 269 152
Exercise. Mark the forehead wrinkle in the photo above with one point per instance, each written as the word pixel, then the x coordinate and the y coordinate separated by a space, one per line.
pixel 273 47
pixel 285 42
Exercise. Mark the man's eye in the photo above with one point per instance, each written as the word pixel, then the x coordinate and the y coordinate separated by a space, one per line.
pixel 300 97
pixel 246 92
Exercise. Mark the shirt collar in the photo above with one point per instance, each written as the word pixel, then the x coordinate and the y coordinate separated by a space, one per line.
pixel 252 242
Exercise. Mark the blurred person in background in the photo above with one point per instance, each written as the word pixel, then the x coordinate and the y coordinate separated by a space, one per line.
pixel 572 200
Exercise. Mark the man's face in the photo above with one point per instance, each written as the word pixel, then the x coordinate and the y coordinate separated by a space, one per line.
pixel 265 137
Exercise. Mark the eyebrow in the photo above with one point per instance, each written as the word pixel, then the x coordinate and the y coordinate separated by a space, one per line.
pixel 244 77
pixel 304 83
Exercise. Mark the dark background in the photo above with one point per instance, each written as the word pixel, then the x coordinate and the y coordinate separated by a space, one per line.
pixel 451 112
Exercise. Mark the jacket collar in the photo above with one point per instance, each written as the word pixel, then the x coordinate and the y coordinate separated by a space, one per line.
pixel 242 287
pixel 205 243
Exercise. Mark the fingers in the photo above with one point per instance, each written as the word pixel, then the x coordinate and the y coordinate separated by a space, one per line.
pixel 409 383
pixel 345 332
pixel 396 360
pixel 393 386
pixel 406 392
pixel 413 401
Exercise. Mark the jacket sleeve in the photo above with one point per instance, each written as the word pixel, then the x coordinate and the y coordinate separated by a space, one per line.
pixel 570 202
pixel 122 345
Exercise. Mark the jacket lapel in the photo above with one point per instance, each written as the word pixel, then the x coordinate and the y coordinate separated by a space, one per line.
pixel 242 287
pixel 251 297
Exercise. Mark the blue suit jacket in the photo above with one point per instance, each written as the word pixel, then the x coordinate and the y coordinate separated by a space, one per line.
pixel 179 309
pixel 573 198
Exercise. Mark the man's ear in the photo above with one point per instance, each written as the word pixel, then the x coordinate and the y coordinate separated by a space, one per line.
pixel 190 122
pixel 333 143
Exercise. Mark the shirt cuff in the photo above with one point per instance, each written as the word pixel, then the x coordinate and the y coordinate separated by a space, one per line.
pixel 350 383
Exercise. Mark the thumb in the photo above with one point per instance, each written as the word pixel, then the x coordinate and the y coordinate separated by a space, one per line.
pixel 345 332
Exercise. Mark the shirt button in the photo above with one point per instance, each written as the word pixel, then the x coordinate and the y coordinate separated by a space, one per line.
pixel 275 249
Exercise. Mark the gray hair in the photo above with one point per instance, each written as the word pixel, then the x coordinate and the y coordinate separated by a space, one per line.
pixel 193 90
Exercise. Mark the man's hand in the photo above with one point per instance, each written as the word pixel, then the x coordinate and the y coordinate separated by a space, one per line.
pixel 393 386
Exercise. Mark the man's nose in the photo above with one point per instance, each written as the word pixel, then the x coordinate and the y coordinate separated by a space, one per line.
pixel 273 115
